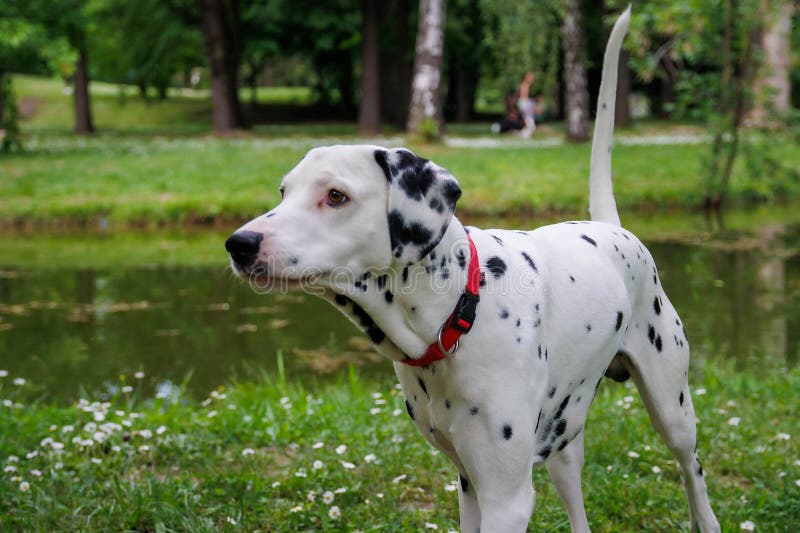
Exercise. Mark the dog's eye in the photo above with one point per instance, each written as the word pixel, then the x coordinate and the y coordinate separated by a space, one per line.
pixel 282 190
pixel 336 198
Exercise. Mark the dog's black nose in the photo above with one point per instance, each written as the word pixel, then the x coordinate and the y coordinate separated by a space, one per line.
pixel 243 246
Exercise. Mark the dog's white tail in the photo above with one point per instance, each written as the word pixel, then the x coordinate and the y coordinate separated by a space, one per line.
pixel 602 206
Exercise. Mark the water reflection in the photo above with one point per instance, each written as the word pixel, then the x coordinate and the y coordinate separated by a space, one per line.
pixel 71 328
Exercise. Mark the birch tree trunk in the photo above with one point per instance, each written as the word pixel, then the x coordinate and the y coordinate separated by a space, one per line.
pixel 772 89
pixel 575 86
pixel 425 111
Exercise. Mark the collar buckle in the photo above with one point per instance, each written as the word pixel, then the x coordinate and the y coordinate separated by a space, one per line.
pixel 464 314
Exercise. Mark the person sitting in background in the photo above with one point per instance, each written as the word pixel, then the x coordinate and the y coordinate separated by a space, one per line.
pixel 525 105
pixel 512 120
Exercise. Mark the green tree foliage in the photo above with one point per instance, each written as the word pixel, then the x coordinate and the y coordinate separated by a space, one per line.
pixel 522 36
pixel 708 51
pixel 147 42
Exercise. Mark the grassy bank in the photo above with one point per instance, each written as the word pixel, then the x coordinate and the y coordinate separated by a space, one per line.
pixel 151 181
pixel 279 456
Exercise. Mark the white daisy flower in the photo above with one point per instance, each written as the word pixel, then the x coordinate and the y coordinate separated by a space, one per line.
pixel 96 461
pixel 296 509
pixel 399 478
pixel 334 512
pixel 161 430
pixel 699 392
pixel 783 436
pixel 36 473
pixel 127 389
pixel 139 375
pixel 633 455
pixel 370 458
pixel 318 445
pixel 656 470
pixel 31 455
pixel 230 520
pixel 19 381
pixel 340 490
pixel 747 525
pixel 24 486
pixel 375 410
pixel 311 496
pixel 340 449
pixel 734 421
pixel 397 412
pixel 15 459
pixel 327 497
pixel 248 451
pixel 428 525
pixel 347 465
pixel 317 465
pixel 3 373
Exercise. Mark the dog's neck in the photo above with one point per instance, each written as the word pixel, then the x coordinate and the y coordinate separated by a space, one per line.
pixel 403 307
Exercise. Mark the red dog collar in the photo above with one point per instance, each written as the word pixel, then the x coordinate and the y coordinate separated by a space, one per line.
pixel 460 321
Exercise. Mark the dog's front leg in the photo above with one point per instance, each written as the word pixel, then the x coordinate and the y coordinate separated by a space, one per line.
pixel 498 459
pixel 468 509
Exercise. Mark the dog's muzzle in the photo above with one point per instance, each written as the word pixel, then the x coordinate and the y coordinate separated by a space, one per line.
pixel 244 247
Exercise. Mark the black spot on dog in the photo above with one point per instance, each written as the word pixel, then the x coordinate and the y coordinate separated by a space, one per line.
pixel 658 343
pixel 530 262
pixel 563 444
pixel 436 205
pixel 496 266
pixel 270 215
pixel 572 279
pixel 474 410
pixel 447 403
pixel 461 257
pixel 561 427
pixel 381 159
pixel 518 323
pixel 551 393
pixel 381 280
pixel 423 387
pixel 504 313
pixel 405 274
pixel 375 333
pixel 651 333
pixel 588 328
pixel 507 432
pixel 680 398
pixel 410 410
pixel 545 453
pixel 656 305
pixel 699 468
pixel 619 321
pixel 519 340
pixel 388 296
pixel 464 483
pixel 561 407
pixel 402 233
pixel 589 240
pixel 538 419
pixel 341 299
pixel 498 240
pixel 540 351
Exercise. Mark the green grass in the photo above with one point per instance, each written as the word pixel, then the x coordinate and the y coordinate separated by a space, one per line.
pixel 148 181
pixel 45 106
pixel 198 474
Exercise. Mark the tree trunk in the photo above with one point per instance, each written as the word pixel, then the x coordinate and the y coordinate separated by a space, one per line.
pixel 425 111
pixel 369 109
pixel 772 88
pixel 622 109
pixel 221 32
pixel 576 92
pixel 396 61
pixel 83 110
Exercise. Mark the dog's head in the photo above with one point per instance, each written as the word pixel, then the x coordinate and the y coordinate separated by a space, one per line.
pixel 346 210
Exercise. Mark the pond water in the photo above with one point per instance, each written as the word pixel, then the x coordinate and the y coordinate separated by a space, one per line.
pixel 70 321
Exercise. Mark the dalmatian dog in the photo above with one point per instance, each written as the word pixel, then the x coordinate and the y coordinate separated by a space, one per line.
pixel 499 338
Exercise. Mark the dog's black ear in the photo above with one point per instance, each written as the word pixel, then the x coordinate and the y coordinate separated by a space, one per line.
pixel 422 198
